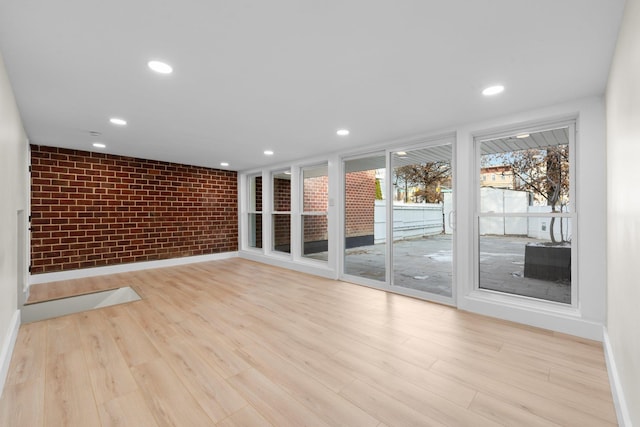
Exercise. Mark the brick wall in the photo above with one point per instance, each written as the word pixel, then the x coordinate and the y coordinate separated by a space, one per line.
pixel 315 199
pixel 282 223
pixel 360 193
pixel 256 224
pixel 281 195
pixel 92 209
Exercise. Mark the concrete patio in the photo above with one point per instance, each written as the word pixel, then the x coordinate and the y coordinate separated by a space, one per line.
pixel 425 264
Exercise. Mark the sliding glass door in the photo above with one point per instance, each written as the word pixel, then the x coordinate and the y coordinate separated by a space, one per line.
pixel 422 212
pixel 365 249
pixel 399 221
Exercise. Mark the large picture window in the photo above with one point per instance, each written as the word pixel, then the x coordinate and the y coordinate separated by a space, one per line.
pixel 525 220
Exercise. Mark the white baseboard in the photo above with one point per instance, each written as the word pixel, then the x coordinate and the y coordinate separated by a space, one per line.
pixel 8 343
pixel 314 268
pixel 622 411
pixel 553 317
pixel 124 268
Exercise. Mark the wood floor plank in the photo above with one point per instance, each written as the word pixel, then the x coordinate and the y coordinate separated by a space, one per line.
pixel 245 417
pixel 62 336
pixel 109 374
pixel 213 346
pixel 587 403
pixel 533 402
pixel 385 407
pixel 273 402
pixel 506 413
pixel 575 381
pixel 68 399
pixel 318 365
pixel 549 358
pixel 197 372
pixel 334 409
pixel 134 344
pixel 22 404
pixel 95 320
pixel 239 343
pixel 127 410
pixel 429 403
pixel 28 359
pixel 152 321
pixel 366 367
pixel 170 402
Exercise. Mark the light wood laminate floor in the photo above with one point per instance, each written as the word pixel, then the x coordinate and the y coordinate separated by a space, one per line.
pixel 238 343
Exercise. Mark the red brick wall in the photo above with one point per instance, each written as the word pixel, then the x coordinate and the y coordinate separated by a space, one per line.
pixel 92 209
pixel 360 194
pixel 281 203
pixel 257 188
pixel 281 195
pixel 315 228
pixel 316 199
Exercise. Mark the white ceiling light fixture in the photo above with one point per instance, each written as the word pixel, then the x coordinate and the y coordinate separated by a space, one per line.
pixel 160 67
pixel 268 153
pixel 224 164
pixel 343 132
pixel 99 145
pixel 493 90
pixel 401 153
pixel 522 136
pixel 118 121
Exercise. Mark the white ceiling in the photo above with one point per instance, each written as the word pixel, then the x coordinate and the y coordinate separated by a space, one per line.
pixel 285 75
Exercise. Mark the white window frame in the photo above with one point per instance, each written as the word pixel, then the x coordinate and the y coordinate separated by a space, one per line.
pixel 272 212
pixel 520 300
pixel 249 183
pixel 302 213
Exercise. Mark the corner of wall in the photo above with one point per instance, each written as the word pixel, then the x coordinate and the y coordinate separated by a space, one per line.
pixel 622 410
pixel 6 351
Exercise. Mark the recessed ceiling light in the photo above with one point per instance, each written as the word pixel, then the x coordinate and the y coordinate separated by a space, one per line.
pixel 524 135
pixel 160 67
pixel 401 153
pixel 99 145
pixel 268 153
pixel 118 121
pixel 493 90
pixel 224 164
pixel 287 173
pixel 343 132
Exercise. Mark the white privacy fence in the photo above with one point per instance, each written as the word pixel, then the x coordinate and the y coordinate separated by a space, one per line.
pixel 497 200
pixel 409 220
pixel 413 220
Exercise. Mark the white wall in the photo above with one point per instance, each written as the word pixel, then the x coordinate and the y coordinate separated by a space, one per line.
pixel 623 248
pixel 13 191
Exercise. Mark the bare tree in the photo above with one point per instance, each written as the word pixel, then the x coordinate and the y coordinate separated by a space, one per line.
pixel 543 172
pixel 428 177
